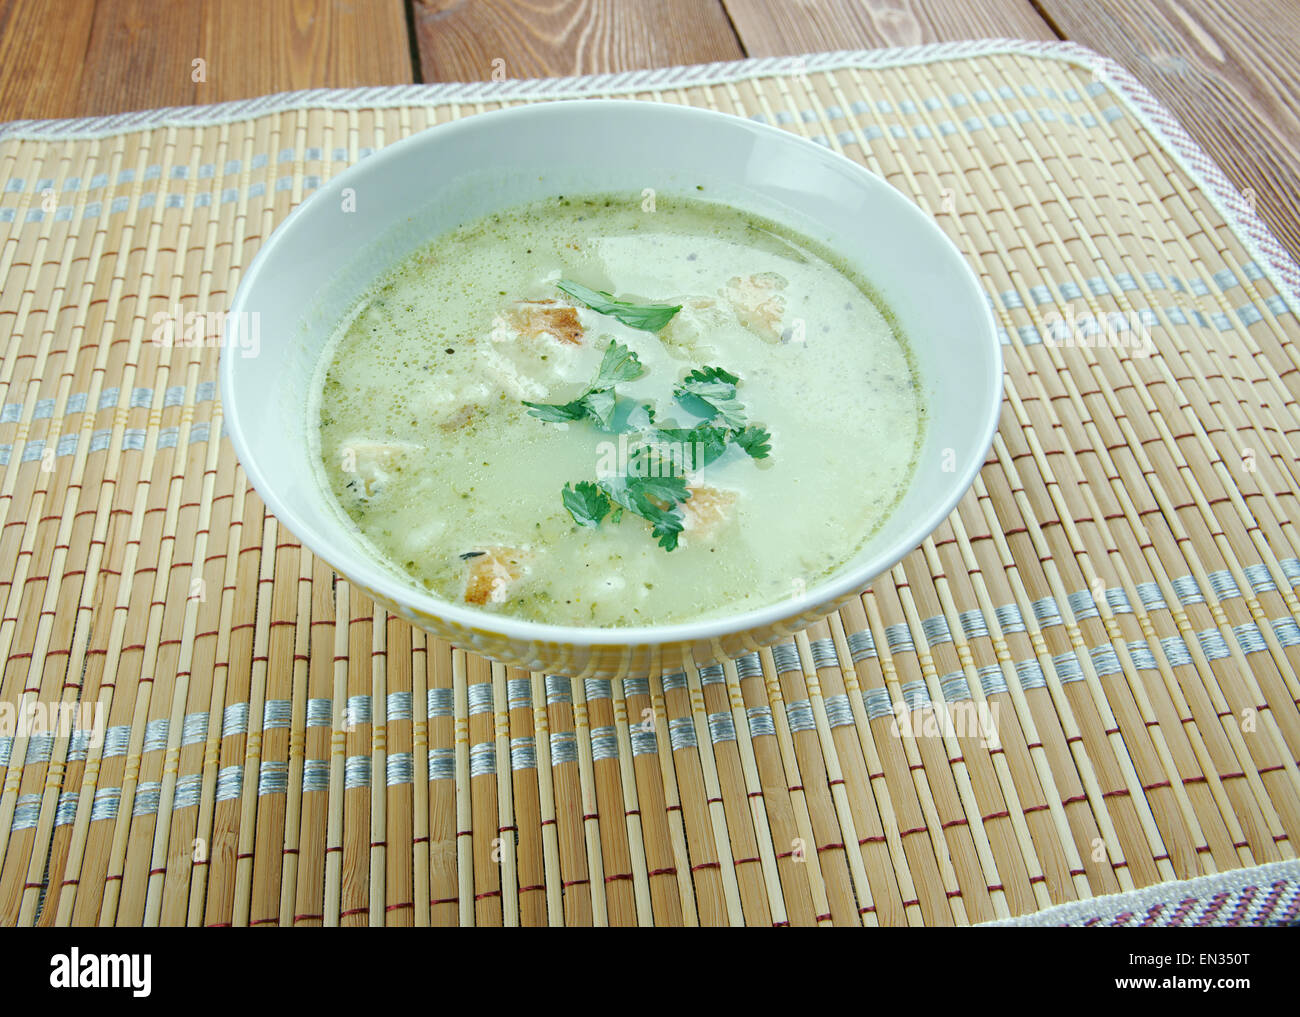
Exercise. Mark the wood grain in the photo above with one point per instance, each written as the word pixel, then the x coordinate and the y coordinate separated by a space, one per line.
pixel 1227 69
pixel 802 26
pixel 139 56
pixel 253 47
pixel 475 40
pixel 41 52
pixel 81 58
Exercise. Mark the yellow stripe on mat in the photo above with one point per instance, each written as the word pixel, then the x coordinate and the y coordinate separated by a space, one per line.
pixel 1084 683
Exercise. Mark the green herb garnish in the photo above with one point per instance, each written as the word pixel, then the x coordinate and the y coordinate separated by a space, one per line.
pixel 644 489
pixel 647 317
pixel 597 402
pixel 711 392
pixel 654 499
pixel 756 441
pixel 586 502
pixel 654 483
pixel 657 499
pixel 701 444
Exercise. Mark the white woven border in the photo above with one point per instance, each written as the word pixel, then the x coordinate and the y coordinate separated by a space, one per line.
pixel 1140 901
pixel 1264 248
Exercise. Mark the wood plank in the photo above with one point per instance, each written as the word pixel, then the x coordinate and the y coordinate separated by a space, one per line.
pixel 777 29
pixel 254 47
pixel 82 58
pixel 41 49
pixel 482 39
pixel 139 57
pixel 1227 69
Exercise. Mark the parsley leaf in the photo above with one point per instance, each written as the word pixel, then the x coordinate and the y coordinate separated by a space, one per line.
pixel 647 317
pixel 757 441
pixel 586 502
pixel 597 403
pixel 666 530
pixel 653 485
pixel 711 392
pixel 696 446
pixel 714 374
pixel 654 499
pixel 600 406
pixel 658 493
pixel 558 413
pixel 619 363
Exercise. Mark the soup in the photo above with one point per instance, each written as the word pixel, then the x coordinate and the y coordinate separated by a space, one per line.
pixel 617 410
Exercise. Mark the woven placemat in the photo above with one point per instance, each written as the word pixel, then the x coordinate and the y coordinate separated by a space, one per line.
pixel 1084 683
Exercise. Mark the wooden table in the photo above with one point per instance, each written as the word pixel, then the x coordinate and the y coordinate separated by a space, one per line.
pixel 1227 68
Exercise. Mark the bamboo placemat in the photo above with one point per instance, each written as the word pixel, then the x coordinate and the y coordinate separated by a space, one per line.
pixel 1117 591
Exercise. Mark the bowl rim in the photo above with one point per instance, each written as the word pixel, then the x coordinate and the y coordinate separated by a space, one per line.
pixel 833 590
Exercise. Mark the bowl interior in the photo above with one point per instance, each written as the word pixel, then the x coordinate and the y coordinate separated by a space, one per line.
pixel 344 236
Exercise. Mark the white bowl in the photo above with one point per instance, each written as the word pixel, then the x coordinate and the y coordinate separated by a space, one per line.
pixel 325 254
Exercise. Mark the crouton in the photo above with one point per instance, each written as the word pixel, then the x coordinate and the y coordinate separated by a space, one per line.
pixel 371 464
pixel 491 572
pixel 534 346
pixel 530 318
pixel 758 303
pixel 706 510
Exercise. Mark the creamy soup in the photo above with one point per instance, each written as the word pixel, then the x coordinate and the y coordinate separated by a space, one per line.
pixel 607 411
